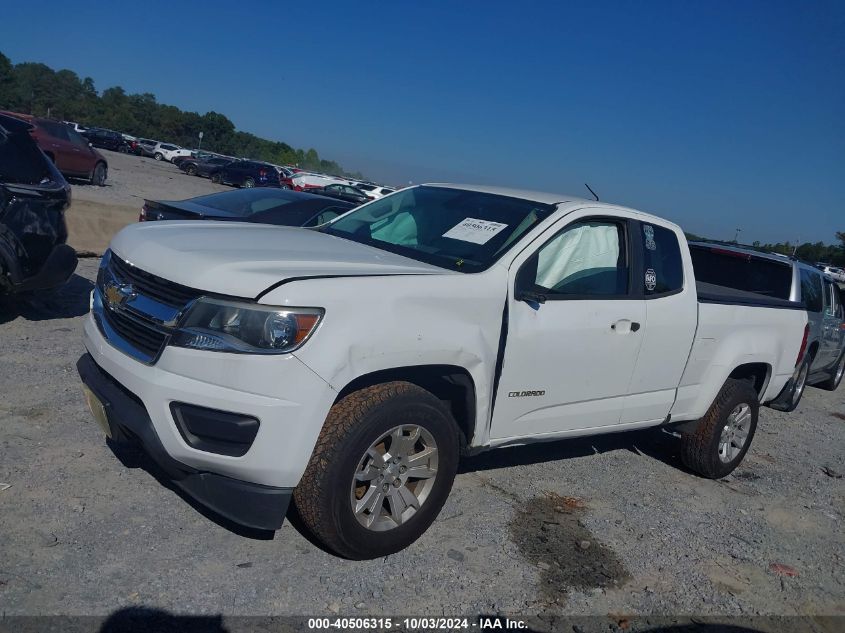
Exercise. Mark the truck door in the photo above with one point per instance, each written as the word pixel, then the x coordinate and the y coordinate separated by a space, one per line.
pixel 573 331
pixel 671 316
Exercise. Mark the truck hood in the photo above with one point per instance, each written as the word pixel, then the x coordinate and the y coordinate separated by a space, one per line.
pixel 244 260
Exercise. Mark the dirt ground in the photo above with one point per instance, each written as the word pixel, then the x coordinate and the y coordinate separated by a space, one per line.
pixel 606 525
pixel 97 213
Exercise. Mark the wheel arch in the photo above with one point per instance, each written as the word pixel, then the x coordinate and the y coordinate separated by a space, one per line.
pixel 451 384
pixel 758 374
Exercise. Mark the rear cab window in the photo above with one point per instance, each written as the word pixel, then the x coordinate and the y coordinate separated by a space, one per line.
pixel 741 271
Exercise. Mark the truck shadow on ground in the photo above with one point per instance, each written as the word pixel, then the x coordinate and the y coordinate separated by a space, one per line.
pixel 131 457
pixel 71 300
pixel 657 443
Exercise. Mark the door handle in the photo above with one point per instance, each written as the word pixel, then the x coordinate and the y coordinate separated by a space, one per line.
pixel 624 326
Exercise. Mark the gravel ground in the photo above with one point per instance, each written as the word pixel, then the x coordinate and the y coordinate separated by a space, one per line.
pixel 97 213
pixel 604 525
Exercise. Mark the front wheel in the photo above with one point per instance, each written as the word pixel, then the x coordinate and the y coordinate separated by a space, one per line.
pixel 249 183
pixel 723 435
pixel 98 176
pixel 191 170
pixel 381 470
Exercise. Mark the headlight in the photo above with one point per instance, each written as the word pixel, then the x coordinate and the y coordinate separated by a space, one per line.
pixel 250 328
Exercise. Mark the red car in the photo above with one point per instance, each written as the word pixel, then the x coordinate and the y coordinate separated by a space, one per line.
pixel 68 149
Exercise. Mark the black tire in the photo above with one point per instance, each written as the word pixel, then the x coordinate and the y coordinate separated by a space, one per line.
pixel 191 170
pixel 323 496
pixel 700 447
pixel 216 179
pixel 158 156
pixel 832 382
pixel 99 175
pixel 249 183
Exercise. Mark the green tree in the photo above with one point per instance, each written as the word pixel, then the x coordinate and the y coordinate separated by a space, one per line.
pixel 36 89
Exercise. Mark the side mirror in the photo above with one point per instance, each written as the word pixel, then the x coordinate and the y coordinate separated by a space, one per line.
pixel 524 284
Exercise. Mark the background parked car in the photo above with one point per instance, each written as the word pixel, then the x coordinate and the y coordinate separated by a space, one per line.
pixel 145 147
pixel 33 199
pixel 374 191
pixel 266 206
pixel 106 139
pixel 70 151
pixel 304 181
pixel 76 126
pixel 246 173
pixel 203 167
pixel 837 274
pixel 168 151
pixel 343 192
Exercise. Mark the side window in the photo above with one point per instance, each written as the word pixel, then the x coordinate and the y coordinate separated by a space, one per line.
pixel 662 264
pixel 831 298
pixel 587 258
pixel 77 139
pixel 811 290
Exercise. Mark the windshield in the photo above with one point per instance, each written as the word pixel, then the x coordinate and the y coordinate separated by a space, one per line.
pixel 453 228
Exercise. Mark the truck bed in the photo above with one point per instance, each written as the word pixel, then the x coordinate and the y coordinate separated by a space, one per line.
pixel 711 293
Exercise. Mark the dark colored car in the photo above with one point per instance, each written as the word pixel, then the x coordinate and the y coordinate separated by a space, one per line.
pixel 33 199
pixel 69 150
pixel 145 147
pixel 246 173
pixel 266 206
pixel 343 192
pixel 106 139
pixel 202 167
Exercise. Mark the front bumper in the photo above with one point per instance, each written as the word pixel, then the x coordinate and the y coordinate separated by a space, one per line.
pixel 249 504
pixel 288 399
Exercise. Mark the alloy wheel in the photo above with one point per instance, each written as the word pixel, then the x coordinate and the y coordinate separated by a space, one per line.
pixel 735 433
pixel 394 478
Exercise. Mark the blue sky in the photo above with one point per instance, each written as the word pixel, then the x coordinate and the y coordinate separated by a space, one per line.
pixel 717 115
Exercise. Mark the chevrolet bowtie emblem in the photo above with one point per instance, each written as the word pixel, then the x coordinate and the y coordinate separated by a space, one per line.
pixel 118 294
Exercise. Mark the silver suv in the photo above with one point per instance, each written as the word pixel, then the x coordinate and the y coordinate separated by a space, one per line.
pixel 821 362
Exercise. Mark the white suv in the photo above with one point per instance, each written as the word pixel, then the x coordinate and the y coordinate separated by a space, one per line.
pixel 166 151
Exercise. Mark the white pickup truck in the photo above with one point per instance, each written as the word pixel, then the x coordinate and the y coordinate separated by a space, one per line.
pixel 348 367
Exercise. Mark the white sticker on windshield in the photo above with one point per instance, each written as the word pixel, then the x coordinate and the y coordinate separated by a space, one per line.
pixel 475 231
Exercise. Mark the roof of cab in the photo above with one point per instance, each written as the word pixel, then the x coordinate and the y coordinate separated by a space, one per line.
pixel 523 194
pixel 553 199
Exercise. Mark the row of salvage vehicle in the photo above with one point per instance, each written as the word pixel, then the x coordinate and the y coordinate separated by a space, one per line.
pixel 346 367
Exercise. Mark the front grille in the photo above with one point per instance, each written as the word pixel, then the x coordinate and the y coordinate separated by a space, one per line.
pixel 142 336
pixel 150 285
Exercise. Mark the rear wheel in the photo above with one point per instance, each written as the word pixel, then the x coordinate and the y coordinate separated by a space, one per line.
pixel 249 183
pixel 381 470
pixel 800 384
pixel 835 377
pixel 158 156
pixel 98 176
pixel 723 435
pixel 216 178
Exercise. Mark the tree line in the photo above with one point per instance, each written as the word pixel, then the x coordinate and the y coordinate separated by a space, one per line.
pixel 808 251
pixel 37 89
